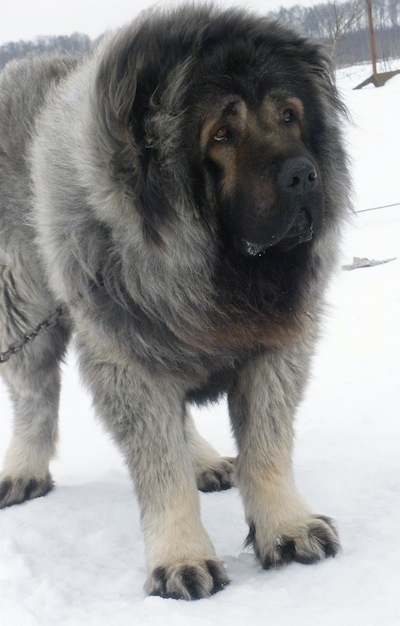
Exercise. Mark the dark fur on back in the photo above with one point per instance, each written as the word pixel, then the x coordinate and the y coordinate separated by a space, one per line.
pixel 150 186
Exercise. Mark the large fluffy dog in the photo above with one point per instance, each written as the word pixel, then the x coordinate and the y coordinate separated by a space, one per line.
pixel 180 191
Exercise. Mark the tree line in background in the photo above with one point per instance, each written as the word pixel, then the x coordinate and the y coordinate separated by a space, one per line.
pixel 341 25
pixel 75 44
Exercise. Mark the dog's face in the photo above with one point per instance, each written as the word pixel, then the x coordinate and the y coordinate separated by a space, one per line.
pixel 266 179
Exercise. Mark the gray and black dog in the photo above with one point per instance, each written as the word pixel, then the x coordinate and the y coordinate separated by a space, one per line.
pixel 180 192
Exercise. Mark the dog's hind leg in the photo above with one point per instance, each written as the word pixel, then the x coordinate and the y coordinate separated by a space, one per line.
pixel 33 379
pixel 34 388
pixel 213 471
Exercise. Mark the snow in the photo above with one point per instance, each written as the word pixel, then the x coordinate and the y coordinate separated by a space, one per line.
pixel 76 557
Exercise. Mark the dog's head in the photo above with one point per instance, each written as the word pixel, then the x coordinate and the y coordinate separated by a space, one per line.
pixel 266 179
pixel 238 116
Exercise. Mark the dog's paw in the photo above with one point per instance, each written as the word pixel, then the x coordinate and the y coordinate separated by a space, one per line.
pixel 18 490
pixel 192 580
pixel 308 541
pixel 216 477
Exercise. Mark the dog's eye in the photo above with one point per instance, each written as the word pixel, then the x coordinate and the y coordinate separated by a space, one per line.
pixel 288 116
pixel 223 135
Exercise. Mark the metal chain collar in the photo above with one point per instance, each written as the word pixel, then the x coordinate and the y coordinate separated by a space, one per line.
pixel 17 346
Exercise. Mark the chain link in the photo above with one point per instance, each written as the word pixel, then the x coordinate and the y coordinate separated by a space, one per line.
pixel 17 346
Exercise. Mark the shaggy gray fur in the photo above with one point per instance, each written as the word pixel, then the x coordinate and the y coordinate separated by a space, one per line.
pixel 108 205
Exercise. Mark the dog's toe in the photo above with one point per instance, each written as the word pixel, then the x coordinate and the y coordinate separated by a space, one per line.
pixel 216 477
pixel 309 541
pixel 18 490
pixel 188 581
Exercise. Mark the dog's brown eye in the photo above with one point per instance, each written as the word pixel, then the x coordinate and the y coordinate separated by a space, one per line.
pixel 288 116
pixel 223 135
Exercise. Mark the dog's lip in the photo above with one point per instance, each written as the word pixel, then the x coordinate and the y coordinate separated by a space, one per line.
pixel 253 249
pixel 301 231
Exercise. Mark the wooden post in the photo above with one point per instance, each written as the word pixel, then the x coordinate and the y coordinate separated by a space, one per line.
pixel 371 36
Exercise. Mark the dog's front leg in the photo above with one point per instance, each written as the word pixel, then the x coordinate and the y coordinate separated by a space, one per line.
pixel 145 416
pixel 262 406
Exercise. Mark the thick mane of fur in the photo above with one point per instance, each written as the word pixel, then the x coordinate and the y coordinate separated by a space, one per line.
pixel 140 102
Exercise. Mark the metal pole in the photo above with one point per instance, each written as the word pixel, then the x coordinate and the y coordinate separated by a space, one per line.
pixel 371 36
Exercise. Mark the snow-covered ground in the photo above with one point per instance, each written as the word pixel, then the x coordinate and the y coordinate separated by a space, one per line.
pixel 75 558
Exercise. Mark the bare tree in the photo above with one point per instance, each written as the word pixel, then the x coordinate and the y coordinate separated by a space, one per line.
pixel 393 9
pixel 333 20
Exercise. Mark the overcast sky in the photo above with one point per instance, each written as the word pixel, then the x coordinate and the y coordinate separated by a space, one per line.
pixel 27 19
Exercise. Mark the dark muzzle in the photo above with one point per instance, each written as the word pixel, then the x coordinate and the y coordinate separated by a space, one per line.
pixel 298 209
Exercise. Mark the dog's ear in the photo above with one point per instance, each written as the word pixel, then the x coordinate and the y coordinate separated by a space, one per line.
pixel 116 86
pixel 319 66
pixel 125 92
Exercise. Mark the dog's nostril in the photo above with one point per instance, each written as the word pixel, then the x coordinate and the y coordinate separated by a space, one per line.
pixel 295 182
pixel 312 176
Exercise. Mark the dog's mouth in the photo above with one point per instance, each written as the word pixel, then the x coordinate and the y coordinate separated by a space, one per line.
pixel 301 231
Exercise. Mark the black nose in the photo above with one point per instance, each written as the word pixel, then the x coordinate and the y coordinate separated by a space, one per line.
pixel 297 176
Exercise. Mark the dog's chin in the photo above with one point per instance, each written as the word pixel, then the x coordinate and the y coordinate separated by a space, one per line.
pixel 300 232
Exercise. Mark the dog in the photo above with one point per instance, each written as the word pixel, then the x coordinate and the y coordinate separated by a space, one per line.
pixel 179 193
